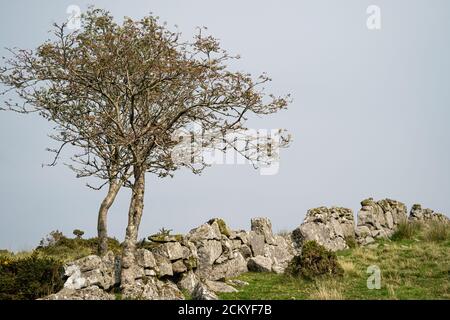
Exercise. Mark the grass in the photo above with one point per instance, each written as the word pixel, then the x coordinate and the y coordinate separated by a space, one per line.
pixel 415 265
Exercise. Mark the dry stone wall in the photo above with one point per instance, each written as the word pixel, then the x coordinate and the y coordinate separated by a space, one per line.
pixel 203 261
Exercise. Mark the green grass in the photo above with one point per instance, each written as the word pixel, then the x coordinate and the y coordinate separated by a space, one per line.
pixel 411 268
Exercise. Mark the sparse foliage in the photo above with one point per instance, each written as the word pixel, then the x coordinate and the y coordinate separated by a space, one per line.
pixel 123 94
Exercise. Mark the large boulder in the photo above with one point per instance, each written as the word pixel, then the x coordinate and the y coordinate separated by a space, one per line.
pixel 256 242
pixel 205 232
pixel 171 250
pixel 260 264
pixel 208 252
pixel 263 226
pixel 327 226
pixel 145 258
pixel 223 228
pixel 228 269
pixel 280 253
pixel 163 266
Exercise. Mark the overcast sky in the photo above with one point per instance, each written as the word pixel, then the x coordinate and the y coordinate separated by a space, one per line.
pixel 370 117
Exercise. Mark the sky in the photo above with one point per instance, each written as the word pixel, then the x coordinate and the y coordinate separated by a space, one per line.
pixel 369 118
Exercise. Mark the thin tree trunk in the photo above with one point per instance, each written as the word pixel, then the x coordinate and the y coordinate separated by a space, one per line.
pixel 102 227
pixel 134 219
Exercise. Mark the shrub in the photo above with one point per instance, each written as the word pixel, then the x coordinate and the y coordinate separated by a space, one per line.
pixel 29 278
pixel 406 230
pixel 351 242
pixel 66 249
pixel 437 231
pixel 78 233
pixel 314 260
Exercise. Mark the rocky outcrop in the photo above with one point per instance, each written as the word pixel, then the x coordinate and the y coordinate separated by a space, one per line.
pixel 426 215
pixel 327 226
pixel 379 219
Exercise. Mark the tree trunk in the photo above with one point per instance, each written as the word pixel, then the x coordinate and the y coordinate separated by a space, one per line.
pixel 102 227
pixel 134 219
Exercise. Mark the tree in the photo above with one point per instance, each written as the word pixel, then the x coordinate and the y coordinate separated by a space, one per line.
pixel 78 233
pixel 61 83
pixel 138 86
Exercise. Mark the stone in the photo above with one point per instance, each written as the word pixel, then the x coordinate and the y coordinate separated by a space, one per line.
pixel 135 272
pixel 229 269
pixel 256 242
pixel 88 263
pixel 208 252
pixel 237 282
pixel 240 235
pixel 145 258
pixel 219 286
pixel 88 293
pixel 263 226
pixel 281 253
pixel 204 232
pixel 201 292
pixel 171 250
pixel 162 238
pixel 188 281
pixel 150 272
pixel 276 268
pixel 426 215
pixel 163 266
pixel 90 271
pixel 246 251
pixel 223 228
pixel 259 264
pixel 378 219
pixel 152 289
pixel 179 266
pixel 327 226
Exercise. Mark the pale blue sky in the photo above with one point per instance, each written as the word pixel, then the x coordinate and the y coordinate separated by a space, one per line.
pixel 370 117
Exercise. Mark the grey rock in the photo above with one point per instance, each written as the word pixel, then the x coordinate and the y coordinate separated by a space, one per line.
pixel 327 226
pixel 256 242
pixel 179 266
pixel 208 252
pixel 152 289
pixel 201 292
pixel 171 250
pixel 163 266
pixel 263 226
pixel 246 251
pixel 205 232
pixel 219 286
pixel 188 281
pixel 145 258
pixel 259 264
pixel 229 269
pixel 88 293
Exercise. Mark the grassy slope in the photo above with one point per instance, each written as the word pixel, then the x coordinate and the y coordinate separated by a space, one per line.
pixel 410 269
